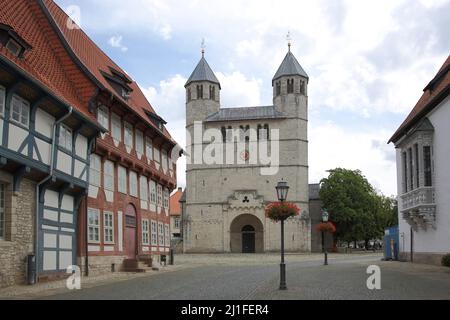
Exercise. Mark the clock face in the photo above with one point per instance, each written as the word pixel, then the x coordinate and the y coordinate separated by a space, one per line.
pixel 245 155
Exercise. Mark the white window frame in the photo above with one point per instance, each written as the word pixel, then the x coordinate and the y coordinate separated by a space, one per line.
pixel 176 222
pixel 154 232
pixel 149 148
pixel 160 234
pixel 2 211
pixel 116 127
pixel 156 155
pixel 108 175
pixel 24 112
pixel 143 188
pixel 152 188
pixel 94 226
pixel 165 198
pixel 139 138
pixel 108 227
pixel 166 235
pixel 159 195
pixel 128 134
pixel 95 170
pixel 103 116
pixel 145 232
pixel 2 100
pixel 133 184
pixel 65 137
pixel 122 180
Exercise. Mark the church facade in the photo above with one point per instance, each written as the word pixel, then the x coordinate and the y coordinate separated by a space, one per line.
pixel 225 202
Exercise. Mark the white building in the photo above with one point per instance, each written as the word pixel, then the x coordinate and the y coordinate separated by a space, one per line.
pixel 423 173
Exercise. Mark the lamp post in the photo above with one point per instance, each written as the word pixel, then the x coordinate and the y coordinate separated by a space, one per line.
pixel 282 191
pixel 325 220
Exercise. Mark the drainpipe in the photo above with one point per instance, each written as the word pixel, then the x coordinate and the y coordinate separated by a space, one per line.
pixel 50 175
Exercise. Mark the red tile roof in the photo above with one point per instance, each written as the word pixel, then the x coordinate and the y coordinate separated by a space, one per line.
pixel 433 94
pixel 175 206
pixel 46 62
pixel 95 61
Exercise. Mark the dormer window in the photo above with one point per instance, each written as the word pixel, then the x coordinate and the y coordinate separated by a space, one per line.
pixel 156 120
pixel 119 82
pixel 12 41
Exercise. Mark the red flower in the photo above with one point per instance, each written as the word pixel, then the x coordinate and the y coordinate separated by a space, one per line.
pixel 278 211
pixel 326 227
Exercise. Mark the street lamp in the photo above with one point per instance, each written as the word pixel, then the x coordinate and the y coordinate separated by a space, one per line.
pixel 282 192
pixel 325 216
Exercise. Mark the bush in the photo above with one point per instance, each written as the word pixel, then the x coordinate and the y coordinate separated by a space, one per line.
pixel 446 260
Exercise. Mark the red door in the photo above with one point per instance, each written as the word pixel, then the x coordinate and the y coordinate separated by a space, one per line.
pixel 130 232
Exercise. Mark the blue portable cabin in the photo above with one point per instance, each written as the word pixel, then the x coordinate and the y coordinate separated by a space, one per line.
pixel 391 234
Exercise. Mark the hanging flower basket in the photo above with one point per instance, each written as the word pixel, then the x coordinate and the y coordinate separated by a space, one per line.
pixel 326 227
pixel 278 211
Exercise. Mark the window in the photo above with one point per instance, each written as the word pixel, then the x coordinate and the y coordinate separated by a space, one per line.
pixel 93 225
pixel 133 184
pixel 160 234
pixel 2 100
pixel 108 175
pixel 427 166
pixel 95 170
pixel 116 127
pixel 302 87
pixel 65 137
pixel 189 95
pixel 405 173
pixel 103 116
pixel 108 227
pixel 167 235
pixel 145 231
pixel 2 211
pixel 143 188
pixel 410 166
pixel 176 222
pixel 164 160
pixel 200 91
pixel 14 47
pixel 128 135
pixel 139 142
pixel 148 148
pixel 212 92
pixel 152 191
pixel 278 88
pixel 416 164
pixel 166 198
pixel 122 179
pixel 156 155
pixel 159 195
pixel 20 110
pixel 154 234
pixel 290 86
pixel 224 134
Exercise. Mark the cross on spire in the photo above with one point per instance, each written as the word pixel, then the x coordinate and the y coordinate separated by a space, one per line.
pixel 203 46
pixel 289 40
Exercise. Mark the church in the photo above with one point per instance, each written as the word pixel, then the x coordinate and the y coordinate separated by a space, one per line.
pixel 225 203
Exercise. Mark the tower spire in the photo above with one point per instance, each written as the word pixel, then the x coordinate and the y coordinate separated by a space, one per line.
pixel 203 46
pixel 289 40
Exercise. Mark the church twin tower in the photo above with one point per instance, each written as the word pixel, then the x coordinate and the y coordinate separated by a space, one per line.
pixel 225 202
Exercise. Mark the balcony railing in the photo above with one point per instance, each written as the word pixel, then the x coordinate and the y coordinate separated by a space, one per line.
pixel 418 207
pixel 419 197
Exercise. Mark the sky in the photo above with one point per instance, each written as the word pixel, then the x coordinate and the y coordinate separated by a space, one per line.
pixel 368 62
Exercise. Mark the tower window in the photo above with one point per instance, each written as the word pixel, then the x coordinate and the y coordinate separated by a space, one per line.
pixel 302 87
pixel 200 92
pixel 427 166
pixel 189 95
pixel 224 134
pixel 290 86
pixel 266 129
pixel 278 88
pixel 212 92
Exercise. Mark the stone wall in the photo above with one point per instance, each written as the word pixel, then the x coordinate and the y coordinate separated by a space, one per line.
pixel 18 243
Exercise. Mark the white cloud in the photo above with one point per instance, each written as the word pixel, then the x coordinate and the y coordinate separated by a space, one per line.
pixel 332 146
pixel 116 42
pixel 237 90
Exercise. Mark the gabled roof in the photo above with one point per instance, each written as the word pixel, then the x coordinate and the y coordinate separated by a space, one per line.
pixel 246 113
pixel 94 61
pixel 202 72
pixel 175 206
pixel 289 67
pixel 436 91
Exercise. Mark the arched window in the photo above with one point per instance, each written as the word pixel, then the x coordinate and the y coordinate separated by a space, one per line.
pixel 212 92
pixel 258 133
pixel 290 86
pixel 189 95
pixel 224 134
pixel 200 91
pixel 248 228
pixel 302 87
pixel 266 129
pixel 278 88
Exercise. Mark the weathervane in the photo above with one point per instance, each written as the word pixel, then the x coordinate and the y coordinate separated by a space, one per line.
pixel 289 40
pixel 203 46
